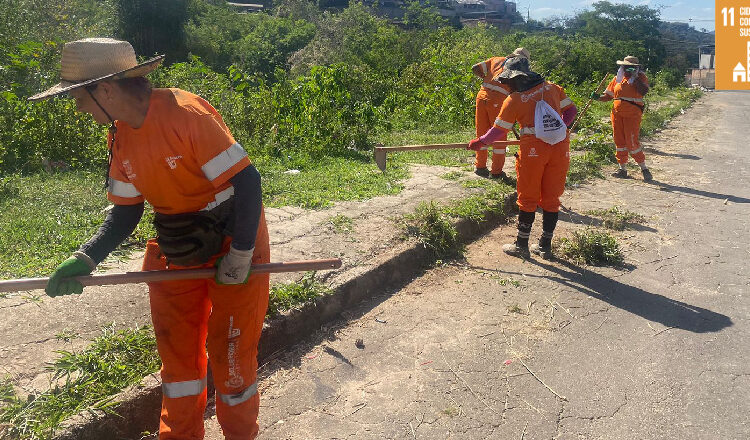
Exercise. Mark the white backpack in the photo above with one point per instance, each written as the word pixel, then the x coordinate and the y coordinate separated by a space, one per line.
pixel 548 125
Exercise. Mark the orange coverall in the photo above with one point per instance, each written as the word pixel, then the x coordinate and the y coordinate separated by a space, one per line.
pixel 489 101
pixel 541 168
pixel 181 160
pixel 626 119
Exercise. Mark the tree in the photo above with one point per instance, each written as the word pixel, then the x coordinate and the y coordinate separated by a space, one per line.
pixel 621 22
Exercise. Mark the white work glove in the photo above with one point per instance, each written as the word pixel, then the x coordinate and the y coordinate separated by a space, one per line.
pixel 234 267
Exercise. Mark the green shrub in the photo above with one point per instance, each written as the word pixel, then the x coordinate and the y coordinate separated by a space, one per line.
pixel 286 296
pixel 434 230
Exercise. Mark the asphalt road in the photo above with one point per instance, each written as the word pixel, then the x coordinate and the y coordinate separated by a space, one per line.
pixel 497 348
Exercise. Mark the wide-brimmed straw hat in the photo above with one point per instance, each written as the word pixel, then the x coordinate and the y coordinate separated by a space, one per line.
pixel 88 61
pixel 629 61
pixel 521 52
pixel 515 67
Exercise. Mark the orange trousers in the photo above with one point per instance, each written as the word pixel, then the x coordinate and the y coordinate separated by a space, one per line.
pixel 626 133
pixel 192 316
pixel 541 170
pixel 486 112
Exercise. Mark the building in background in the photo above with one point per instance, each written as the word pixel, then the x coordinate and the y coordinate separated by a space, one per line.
pixel 705 74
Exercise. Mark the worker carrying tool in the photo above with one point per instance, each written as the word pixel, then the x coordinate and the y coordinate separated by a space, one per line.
pixel 544 113
pixel 627 88
pixel 489 101
pixel 171 148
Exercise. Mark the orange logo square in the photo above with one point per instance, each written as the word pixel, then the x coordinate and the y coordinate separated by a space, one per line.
pixel 733 44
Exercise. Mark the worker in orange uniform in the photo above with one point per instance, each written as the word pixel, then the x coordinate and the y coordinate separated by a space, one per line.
pixel 627 88
pixel 544 113
pixel 171 148
pixel 489 100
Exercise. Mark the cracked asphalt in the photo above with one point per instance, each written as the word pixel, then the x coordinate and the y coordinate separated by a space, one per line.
pixel 495 348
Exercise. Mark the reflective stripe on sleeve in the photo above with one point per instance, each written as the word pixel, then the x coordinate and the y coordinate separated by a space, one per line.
pixel 528 130
pixel 484 68
pixel 175 390
pixel 609 92
pixel 495 88
pixel 565 102
pixel 122 189
pixel 241 397
pixel 223 161
pixel 503 124
pixel 220 198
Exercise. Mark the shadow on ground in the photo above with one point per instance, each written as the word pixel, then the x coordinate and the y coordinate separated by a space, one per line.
pixel 656 152
pixel 650 306
pixel 572 216
pixel 697 192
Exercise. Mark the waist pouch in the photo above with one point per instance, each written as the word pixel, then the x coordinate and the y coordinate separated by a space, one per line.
pixel 193 238
pixel 632 103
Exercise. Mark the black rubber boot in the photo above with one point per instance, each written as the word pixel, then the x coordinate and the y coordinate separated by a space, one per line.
pixel 620 173
pixel 483 172
pixel 521 247
pixel 647 177
pixel 544 248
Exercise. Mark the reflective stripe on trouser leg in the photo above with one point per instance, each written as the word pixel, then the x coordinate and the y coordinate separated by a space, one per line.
pixel 234 330
pixel 498 157
pixel 179 312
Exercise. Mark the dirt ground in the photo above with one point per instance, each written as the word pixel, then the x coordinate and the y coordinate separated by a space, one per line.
pixel 494 347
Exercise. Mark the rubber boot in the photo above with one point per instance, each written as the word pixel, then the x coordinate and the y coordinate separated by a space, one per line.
pixel 544 248
pixel 521 247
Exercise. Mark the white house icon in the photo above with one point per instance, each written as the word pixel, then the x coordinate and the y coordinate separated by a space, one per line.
pixel 740 73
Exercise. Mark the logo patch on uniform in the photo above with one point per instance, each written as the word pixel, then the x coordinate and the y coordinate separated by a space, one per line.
pixel 128 169
pixel 172 161
pixel 532 152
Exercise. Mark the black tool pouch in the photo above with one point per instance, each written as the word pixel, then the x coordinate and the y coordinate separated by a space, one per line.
pixel 193 238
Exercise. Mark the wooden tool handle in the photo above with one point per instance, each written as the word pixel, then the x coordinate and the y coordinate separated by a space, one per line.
pixel 168 275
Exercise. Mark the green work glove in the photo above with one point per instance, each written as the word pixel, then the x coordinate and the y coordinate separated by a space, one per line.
pixel 595 96
pixel 60 282
pixel 234 267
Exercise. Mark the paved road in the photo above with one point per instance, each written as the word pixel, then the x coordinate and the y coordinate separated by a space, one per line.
pixel 496 348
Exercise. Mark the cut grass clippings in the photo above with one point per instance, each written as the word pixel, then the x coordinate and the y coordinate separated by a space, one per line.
pixel 590 246
pixel 83 380
pixel 616 218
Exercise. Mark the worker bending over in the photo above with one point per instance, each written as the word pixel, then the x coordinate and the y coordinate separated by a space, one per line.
pixel 489 101
pixel 627 88
pixel 172 149
pixel 544 113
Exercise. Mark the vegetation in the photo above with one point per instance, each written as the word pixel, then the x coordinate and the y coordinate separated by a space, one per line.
pixel 431 227
pixel 617 218
pixel 590 246
pixel 87 379
pixel 286 296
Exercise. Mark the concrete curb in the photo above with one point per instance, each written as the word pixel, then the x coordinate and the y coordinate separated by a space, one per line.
pixel 139 407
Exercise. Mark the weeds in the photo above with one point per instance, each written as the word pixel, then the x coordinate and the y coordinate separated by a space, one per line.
pixel 286 296
pixel 342 224
pixel 87 379
pixel 67 335
pixel 515 309
pixel 431 227
pixel 591 246
pixel 616 218
pixel 453 175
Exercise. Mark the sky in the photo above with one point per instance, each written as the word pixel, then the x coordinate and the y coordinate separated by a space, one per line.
pixel 671 10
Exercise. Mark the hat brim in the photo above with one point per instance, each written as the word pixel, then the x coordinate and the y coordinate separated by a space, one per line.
pixel 626 63
pixel 141 69
pixel 510 74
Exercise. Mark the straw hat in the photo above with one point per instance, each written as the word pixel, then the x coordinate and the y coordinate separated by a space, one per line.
pixel 88 61
pixel 522 52
pixel 629 61
pixel 515 67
